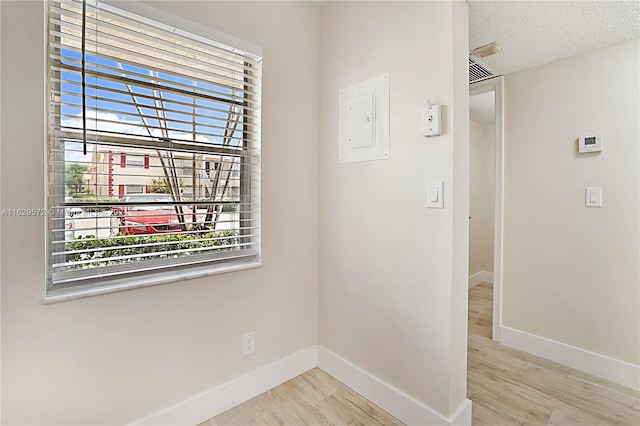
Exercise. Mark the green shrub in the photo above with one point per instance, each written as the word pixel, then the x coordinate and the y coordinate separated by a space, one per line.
pixel 229 208
pixel 99 250
pixel 90 198
pixel 226 208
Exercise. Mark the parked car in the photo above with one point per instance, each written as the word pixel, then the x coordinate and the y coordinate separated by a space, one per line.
pixel 141 218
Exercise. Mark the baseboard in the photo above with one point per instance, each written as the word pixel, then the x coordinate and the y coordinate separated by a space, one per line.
pixel 221 398
pixel 614 370
pixel 390 399
pixel 228 395
pixel 480 277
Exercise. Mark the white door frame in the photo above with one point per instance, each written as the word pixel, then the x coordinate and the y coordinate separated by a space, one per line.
pixel 495 85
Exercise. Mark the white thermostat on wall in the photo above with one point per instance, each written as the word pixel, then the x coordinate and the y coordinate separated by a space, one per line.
pixel 591 143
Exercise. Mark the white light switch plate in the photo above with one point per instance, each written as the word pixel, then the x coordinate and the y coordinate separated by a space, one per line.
pixel 593 196
pixel 435 195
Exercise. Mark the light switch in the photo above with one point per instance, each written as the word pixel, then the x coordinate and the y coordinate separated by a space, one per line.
pixel 435 195
pixel 593 196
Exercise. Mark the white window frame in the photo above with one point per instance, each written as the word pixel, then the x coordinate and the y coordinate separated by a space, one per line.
pixel 147 275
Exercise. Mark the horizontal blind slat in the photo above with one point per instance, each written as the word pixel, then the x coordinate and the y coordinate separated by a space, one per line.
pixel 149 33
pixel 125 32
pixel 118 94
pixel 138 141
pixel 154 266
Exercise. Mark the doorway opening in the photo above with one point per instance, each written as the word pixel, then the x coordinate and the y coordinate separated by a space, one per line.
pixel 486 192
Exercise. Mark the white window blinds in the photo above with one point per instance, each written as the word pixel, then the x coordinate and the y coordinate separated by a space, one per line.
pixel 153 148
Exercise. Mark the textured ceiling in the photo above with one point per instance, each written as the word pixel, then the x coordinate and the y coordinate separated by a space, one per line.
pixel 533 33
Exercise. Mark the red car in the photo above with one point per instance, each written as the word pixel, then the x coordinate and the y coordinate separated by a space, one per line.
pixel 142 218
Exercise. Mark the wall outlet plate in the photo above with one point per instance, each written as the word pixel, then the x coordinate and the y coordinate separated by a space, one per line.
pixel 248 343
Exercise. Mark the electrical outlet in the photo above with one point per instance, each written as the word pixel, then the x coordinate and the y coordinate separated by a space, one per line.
pixel 248 343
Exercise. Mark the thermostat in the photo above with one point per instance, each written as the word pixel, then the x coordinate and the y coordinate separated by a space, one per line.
pixel 590 144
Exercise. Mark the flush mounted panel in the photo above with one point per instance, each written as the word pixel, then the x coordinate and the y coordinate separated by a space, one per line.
pixel 361 132
pixel 364 121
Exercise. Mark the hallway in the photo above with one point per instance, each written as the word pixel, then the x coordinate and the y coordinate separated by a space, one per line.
pixel 510 387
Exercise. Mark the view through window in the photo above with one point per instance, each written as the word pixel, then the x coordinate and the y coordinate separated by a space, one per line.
pixel 153 148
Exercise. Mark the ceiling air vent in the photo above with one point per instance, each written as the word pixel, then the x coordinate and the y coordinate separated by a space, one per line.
pixel 478 70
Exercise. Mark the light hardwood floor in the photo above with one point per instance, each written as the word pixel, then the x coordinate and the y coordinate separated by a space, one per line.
pixel 507 387
pixel 313 398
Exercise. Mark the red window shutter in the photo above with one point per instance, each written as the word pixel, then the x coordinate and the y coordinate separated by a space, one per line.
pixel 123 160
pixel 120 191
pixel 146 161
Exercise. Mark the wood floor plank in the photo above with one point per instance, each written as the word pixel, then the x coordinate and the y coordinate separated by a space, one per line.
pixel 581 376
pixel 517 404
pixel 313 398
pixel 510 387
pixel 563 416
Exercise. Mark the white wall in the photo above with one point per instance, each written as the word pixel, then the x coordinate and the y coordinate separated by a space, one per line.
pixel 571 273
pixel 393 279
pixel 481 196
pixel 116 358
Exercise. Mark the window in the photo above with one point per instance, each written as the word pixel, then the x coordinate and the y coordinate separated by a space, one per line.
pixel 162 128
pixel 135 161
pixel 135 189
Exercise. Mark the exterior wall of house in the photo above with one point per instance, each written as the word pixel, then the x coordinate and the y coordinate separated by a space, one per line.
pixel 118 173
pixel 571 272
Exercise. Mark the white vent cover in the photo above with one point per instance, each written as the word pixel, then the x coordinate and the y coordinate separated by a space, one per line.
pixel 478 70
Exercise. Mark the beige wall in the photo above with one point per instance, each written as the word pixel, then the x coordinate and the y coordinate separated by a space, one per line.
pixel 388 290
pixel 115 358
pixel 481 196
pixel 571 273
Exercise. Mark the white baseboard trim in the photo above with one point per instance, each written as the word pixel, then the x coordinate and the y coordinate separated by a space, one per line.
pixel 480 277
pixel 612 369
pixel 228 395
pixel 221 398
pixel 395 402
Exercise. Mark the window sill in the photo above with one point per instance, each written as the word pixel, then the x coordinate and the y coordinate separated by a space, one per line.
pixel 72 293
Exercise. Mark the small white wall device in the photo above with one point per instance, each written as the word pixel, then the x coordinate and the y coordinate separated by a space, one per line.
pixel 431 120
pixel 591 143
pixel 593 196
pixel 435 194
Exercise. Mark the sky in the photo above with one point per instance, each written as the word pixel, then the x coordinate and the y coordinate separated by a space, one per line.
pixel 111 108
